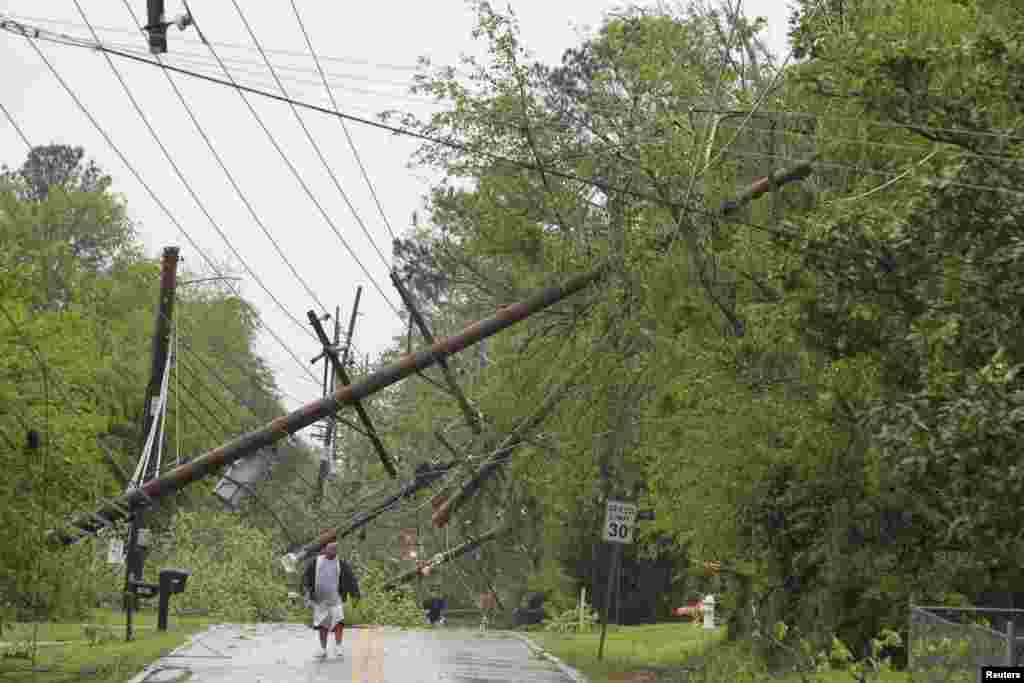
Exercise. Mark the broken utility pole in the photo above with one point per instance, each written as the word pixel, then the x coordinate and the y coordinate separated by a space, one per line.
pixel 136 557
pixel 424 568
pixel 798 171
pixel 490 468
pixel 423 479
pixel 327 463
pixel 472 418
pixel 247 444
pixel 364 417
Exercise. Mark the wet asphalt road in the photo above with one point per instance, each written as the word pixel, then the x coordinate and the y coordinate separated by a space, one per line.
pixel 284 653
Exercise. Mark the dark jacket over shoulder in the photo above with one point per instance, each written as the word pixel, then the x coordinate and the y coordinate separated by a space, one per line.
pixel 347 584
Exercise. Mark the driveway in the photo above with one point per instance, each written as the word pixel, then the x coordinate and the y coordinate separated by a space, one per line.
pixel 284 653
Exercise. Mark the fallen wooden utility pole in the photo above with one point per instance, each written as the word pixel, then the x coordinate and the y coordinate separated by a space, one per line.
pixel 471 416
pixel 774 181
pixel 247 444
pixel 424 568
pixel 790 174
pixel 292 560
pixel 443 513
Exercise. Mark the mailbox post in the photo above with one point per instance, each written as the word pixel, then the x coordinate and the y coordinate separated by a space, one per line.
pixel 171 581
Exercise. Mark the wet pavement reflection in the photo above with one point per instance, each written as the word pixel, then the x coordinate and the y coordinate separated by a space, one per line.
pixel 284 653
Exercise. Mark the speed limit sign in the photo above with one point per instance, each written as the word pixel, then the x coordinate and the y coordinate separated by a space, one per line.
pixel 619 518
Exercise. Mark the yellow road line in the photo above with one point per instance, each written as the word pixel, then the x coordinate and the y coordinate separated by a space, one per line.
pixel 367 656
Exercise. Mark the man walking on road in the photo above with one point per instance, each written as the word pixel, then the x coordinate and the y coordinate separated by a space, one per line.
pixel 326 583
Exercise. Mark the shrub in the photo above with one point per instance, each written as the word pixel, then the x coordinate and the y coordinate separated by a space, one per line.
pixel 235 574
pixel 568 621
pixel 398 607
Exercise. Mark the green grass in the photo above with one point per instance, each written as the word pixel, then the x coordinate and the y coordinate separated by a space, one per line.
pixel 629 648
pixel 666 647
pixel 104 657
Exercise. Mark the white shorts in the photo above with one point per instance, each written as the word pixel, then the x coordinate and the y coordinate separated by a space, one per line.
pixel 327 615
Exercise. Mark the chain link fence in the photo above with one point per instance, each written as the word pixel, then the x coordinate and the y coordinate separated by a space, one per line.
pixel 951 644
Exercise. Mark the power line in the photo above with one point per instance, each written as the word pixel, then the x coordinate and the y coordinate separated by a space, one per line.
pixel 237 189
pixel 237 46
pixel 206 387
pixel 70 40
pixel 243 485
pixel 864 121
pixel 465 148
pixel 212 371
pixel 16 127
pixel 204 59
pixel 428 138
pixel 246 373
pixel 227 387
pixel 241 91
pixel 348 137
pixel 131 168
pixel 829 139
pixel 309 136
pixel 195 198
pixel 884 174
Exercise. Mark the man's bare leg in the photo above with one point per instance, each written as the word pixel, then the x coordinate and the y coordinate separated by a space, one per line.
pixel 338 629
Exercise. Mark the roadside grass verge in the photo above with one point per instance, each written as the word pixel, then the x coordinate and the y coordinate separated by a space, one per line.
pixel 93 650
pixel 657 652
pixel 629 649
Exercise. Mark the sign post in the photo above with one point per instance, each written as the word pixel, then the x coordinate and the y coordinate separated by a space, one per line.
pixel 619 519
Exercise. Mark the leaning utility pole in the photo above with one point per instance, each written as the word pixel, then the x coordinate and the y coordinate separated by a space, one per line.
pixel 472 418
pixel 109 511
pixel 136 556
pixel 423 478
pixel 326 462
pixel 339 369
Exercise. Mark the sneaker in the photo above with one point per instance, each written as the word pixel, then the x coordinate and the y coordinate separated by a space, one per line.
pixel 321 653
pixel 332 650
pixel 338 654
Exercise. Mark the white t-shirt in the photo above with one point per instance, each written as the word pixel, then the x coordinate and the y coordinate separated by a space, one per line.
pixel 326 587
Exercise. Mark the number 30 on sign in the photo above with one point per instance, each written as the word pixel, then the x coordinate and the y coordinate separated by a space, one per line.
pixel 619 518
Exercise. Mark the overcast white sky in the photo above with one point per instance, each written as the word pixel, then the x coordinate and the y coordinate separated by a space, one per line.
pixel 366 46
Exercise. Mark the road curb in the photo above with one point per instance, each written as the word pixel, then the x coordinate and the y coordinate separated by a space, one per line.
pixel 154 669
pixel 572 673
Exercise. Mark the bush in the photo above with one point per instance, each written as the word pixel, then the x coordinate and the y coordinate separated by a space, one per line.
pixel 398 607
pixel 235 573
pixel 568 621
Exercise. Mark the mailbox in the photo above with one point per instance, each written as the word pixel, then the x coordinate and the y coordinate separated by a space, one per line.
pixel 171 581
